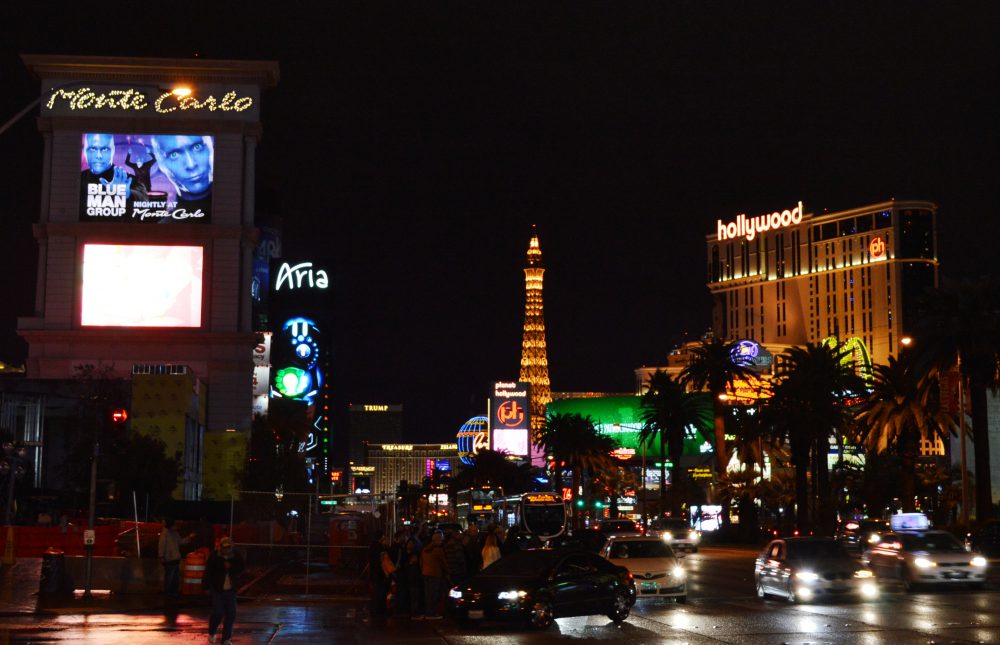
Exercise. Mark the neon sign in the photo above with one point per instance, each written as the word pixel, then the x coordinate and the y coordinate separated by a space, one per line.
pixel 376 408
pixel 750 226
pixel 136 100
pixel 877 248
pixel 301 275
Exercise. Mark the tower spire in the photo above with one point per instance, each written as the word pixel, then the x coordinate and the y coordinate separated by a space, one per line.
pixel 534 358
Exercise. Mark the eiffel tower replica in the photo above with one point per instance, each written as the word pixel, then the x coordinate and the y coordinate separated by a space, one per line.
pixel 534 359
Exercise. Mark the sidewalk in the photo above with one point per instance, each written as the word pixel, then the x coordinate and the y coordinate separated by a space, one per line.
pixel 19 585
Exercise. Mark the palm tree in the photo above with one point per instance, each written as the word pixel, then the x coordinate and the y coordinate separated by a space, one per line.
pixel 575 443
pixel 904 407
pixel 668 411
pixel 714 369
pixel 808 408
pixel 960 323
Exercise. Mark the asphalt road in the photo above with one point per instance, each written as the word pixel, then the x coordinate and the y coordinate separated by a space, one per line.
pixel 723 608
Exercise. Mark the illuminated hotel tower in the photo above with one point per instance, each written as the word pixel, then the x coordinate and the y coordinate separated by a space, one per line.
pixel 534 360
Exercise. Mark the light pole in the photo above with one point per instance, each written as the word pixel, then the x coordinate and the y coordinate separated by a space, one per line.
pixel 961 437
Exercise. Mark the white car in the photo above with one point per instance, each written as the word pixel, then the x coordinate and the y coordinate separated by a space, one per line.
pixel 654 566
pixel 677 533
pixel 929 557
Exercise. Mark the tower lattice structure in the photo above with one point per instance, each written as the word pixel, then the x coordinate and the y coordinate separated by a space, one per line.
pixel 534 358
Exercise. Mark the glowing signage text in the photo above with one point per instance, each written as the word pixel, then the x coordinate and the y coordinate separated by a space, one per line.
pixel 750 226
pixel 877 248
pixel 300 275
pixel 376 408
pixel 133 99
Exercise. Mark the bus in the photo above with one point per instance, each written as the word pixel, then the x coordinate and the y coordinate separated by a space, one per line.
pixel 540 514
pixel 476 506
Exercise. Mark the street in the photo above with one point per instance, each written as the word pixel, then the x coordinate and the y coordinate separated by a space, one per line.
pixel 723 608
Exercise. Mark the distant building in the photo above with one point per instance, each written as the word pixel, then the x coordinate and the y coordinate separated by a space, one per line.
pixel 372 423
pixel 389 463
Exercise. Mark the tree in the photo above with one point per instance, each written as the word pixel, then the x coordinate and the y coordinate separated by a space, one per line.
pixel 713 369
pixel 904 407
pixel 574 442
pixel 668 413
pixel 808 408
pixel 959 323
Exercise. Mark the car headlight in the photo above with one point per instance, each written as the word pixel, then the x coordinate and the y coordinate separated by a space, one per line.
pixel 677 572
pixel 511 595
pixel 455 593
pixel 863 573
pixel 978 561
pixel 667 536
pixel 694 536
pixel 807 576
pixel 874 538
pixel 924 563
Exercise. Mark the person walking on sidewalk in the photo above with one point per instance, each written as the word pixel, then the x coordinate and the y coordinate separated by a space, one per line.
pixel 224 565
pixel 169 550
pixel 434 569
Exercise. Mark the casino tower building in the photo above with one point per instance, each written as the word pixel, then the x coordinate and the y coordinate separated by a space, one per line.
pixel 792 277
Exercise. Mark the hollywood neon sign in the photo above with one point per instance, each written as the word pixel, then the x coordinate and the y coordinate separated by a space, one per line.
pixel 136 100
pixel 750 226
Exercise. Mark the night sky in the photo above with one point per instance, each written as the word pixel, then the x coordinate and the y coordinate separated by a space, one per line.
pixel 416 147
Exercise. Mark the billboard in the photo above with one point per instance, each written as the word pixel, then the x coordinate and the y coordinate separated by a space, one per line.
pixel 510 421
pixel 296 365
pixel 128 285
pixel 146 178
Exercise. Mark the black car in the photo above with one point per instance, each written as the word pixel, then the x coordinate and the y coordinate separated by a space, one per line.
pixel 986 540
pixel 537 586
pixel 587 539
pixel 858 535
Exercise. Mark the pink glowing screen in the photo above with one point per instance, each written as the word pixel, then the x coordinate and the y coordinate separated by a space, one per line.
pixel 514 442
pixel 141 286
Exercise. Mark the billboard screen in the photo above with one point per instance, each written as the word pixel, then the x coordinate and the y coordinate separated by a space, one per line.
pixel 146 177
pixel 128 285
pixel 296 350
pixel 509 419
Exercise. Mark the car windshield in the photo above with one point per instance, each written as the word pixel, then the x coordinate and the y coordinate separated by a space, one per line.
pixel 943 542
pixel 522 563
pixel 640 549
pixel 670 525
pixel 809 550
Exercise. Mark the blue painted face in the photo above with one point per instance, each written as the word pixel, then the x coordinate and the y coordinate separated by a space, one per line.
pixel 100 151
pixel 187 163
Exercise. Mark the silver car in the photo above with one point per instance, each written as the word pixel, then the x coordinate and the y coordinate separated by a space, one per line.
pixel 677 533
pixel 928 557
pixel 808 568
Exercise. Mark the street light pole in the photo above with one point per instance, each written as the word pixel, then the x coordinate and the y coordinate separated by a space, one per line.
pixel 961 435
pixel 89 543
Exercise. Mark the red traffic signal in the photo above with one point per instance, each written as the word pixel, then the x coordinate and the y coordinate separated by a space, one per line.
pixel 119 416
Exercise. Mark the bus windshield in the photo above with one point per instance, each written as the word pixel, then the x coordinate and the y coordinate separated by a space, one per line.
pixel 544 519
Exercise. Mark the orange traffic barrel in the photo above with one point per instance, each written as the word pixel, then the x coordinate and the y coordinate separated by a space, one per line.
pixel 193 572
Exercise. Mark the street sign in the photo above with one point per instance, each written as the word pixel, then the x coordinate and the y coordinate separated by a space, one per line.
pixel 88 537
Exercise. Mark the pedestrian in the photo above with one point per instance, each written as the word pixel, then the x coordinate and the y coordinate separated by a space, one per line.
pixel 224 565
pixel 433 568
pixel 169 550
pixel 454 555
pixel 410 581
pixel 378 576
pixel 473 544
pixel 491 550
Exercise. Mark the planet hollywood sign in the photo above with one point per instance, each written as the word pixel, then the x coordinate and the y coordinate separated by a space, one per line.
pixel 749 227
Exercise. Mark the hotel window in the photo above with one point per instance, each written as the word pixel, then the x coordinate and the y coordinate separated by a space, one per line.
pixel 883 219
pixel 863 223
pixel 715 267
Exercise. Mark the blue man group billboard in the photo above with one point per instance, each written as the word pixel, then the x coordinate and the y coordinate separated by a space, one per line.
pixel 146 177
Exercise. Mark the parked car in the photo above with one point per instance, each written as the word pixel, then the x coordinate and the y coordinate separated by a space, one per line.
pixel 618 527
pixel 807 568
pixel 676 532
pixel 654 566
pixel 929 557
pixel 535 587
pixel 857 535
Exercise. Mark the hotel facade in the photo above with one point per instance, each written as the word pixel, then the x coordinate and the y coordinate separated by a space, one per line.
pixel 792 277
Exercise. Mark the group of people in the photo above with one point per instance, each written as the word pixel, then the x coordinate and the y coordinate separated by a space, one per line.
pixel 411 574
pixel 223 568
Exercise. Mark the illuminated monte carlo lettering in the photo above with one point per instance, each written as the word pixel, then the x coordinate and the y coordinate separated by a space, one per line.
pixel 301 275
pixel 750 226
pixel 132 99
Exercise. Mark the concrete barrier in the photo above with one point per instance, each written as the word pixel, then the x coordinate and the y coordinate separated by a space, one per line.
pixel 120 575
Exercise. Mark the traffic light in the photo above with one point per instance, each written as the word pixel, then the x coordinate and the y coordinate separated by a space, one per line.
pixel 580 503
pixel 598 504
pixel 119 416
